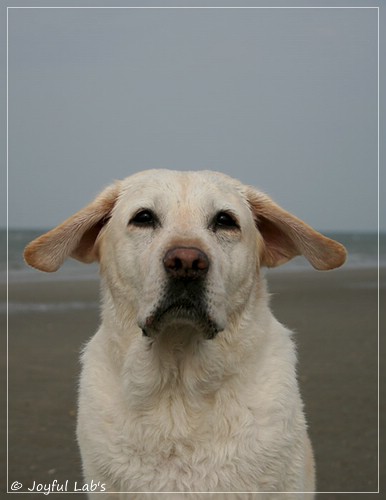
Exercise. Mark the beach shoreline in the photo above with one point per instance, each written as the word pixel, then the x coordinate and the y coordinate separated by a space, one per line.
pixel 335 319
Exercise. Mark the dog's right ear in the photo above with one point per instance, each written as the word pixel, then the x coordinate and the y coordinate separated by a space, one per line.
pixel 286 236
pixel 75 237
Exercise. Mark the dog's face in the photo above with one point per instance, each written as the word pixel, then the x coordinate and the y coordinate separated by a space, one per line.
pixel 184 245
pixel 182 248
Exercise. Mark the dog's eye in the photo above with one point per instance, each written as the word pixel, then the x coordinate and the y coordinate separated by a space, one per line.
pixel 144 218
pixel 225 220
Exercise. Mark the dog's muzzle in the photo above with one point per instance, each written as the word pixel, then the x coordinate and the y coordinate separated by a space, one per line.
pixel 184 302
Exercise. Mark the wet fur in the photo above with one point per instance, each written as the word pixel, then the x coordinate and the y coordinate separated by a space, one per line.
pixel 207 399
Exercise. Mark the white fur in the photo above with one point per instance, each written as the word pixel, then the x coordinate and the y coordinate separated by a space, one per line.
pixel 176 412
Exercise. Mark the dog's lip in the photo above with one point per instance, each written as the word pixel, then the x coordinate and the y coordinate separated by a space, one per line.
pixel 178 305
pixel 193 311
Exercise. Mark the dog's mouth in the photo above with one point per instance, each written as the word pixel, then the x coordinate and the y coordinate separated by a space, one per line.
pixel 181 313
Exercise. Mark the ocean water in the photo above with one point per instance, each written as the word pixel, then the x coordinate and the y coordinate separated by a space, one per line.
pixel 362 253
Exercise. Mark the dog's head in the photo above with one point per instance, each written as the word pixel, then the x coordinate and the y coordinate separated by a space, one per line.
pixel 182 248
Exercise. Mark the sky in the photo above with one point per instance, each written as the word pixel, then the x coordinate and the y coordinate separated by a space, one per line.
pixel 283 99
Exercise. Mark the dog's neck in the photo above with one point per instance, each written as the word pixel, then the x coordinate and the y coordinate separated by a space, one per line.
pixel 181 360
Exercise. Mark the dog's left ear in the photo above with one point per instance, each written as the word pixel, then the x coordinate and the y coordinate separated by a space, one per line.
pixel 75 237
pixel 285 236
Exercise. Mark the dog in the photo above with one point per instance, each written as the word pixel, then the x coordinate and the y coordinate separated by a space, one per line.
pixel 189 385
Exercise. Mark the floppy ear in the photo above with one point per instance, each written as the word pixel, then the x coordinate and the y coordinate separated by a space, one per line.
pixel 286 236
pixel 75 237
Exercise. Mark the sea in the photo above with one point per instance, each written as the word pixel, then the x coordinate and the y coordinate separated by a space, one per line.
pixel 362 253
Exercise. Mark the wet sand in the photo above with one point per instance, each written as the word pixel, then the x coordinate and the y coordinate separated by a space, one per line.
pixel 333 314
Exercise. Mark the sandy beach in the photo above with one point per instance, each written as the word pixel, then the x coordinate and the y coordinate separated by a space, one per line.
pixel 333 314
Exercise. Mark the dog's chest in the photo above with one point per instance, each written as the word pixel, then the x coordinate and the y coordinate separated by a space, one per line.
pixel 207 444
pixel 183 447
pixel 205 433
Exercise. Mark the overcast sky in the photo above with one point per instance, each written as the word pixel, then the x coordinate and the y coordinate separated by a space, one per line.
pixel 284 99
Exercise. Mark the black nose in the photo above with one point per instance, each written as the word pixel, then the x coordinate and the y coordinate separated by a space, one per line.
pixel 186 263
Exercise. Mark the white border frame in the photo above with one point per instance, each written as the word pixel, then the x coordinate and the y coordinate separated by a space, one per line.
pixel 7 212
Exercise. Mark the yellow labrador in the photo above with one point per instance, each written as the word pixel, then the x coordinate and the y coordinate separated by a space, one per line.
pixel 189 384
